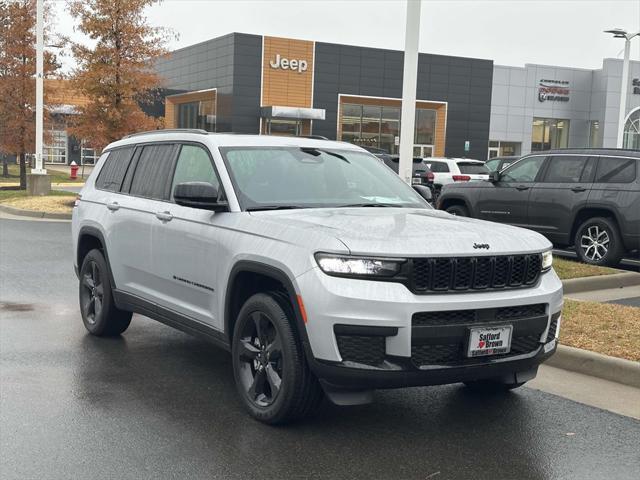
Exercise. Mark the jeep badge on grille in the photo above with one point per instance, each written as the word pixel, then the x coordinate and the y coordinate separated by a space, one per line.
pixel 481 245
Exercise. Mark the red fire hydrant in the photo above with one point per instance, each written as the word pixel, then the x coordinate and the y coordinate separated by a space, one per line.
pixel 74 171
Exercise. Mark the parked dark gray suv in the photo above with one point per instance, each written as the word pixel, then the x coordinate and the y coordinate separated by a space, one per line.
pixel 589 198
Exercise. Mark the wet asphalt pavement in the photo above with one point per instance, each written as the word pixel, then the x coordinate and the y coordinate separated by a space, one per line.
pixel 157 403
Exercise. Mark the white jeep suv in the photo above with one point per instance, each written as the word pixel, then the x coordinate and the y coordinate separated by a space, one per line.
pixel 313 264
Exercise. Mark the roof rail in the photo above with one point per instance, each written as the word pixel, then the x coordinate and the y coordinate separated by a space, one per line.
pixel 314 137
pixel 169 130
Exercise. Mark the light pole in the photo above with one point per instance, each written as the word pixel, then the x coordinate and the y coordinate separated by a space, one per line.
pixel 409 86
pixel 624 84
pixel 39 170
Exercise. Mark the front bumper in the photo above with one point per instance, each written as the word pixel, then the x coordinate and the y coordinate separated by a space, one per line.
pixel 333 302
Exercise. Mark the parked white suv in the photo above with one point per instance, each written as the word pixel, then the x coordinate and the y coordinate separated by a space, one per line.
pixel 451 170
pixel 314 264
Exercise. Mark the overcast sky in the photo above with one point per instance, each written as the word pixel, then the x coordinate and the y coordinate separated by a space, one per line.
pixel 510 32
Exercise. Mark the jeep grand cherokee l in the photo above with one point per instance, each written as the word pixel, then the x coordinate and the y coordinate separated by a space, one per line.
pixel 314 264
pixel 587 198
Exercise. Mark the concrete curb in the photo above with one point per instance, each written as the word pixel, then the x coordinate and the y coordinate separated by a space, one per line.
pixel 600 282
pixel 594 364
pixel 34 214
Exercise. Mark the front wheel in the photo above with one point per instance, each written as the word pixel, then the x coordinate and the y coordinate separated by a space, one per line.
pixel 458 210
pixel 598 242
pixel 269 366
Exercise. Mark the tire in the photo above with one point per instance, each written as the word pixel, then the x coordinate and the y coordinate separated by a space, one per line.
pixel 99 313
pixel 269 366
pixel 458 210
pixel 492 386
pixel 598 242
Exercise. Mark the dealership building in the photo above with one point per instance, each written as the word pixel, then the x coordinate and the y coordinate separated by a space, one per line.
pixel 465 107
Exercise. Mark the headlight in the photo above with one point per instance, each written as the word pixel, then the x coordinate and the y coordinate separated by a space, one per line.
pixel 347 266
pixel 547 260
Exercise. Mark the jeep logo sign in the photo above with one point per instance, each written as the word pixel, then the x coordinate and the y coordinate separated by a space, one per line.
pixel 286 64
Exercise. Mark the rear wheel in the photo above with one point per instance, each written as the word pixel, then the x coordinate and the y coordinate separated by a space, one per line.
pixel 598 242
pixel 270 369
pixel 458 210
pixel 100 315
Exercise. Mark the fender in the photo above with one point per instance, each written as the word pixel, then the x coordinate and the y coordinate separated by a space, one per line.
pixel 276 274
pixel 97 233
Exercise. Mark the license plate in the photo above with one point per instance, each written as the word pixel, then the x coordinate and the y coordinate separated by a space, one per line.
pixel 415 180
pixel 489 341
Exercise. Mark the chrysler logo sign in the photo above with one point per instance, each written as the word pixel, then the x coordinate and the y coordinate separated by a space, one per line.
pixel 286 64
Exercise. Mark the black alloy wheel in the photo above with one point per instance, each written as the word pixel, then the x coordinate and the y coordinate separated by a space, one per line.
pixel 92 292
pixel 260 358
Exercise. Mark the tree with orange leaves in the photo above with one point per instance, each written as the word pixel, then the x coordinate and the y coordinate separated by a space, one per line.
pixel 116 72
pixel 17 79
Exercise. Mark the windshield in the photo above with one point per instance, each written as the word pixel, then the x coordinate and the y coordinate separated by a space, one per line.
pixel 294 177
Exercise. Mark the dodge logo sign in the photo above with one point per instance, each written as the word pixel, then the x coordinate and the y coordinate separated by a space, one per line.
pixel 484 246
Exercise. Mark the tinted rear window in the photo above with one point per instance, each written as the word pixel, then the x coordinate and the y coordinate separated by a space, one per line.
pixel 616 170
pixel 153 175
pixel 473 168
pixel 438 167
pixel 112 173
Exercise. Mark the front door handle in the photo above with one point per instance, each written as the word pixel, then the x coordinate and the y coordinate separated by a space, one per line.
pixel 522 187
pixel 113 206
pixel 578 189
pixel 164 216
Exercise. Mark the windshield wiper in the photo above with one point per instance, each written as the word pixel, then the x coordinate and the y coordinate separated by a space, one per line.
pixel 381 205
pixel 316 151
pixel 257 208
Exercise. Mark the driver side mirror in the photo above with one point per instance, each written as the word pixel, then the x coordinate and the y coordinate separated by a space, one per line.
pixel 494 176
pixel 201 195
pixel 424 192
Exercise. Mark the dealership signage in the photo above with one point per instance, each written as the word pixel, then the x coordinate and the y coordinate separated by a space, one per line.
pixel 287 64
pixel 553 90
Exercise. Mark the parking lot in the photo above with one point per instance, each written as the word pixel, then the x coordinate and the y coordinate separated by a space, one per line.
pixel 157 403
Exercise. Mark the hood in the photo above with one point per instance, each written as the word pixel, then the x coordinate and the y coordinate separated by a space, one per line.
pixel 410 232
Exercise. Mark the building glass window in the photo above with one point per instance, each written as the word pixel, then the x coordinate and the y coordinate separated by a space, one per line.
pixel 55 151
pixel 631 137
pixel 88 156
pixel 549 133
pixel 200 114
pixel 595 134
pixel 379 126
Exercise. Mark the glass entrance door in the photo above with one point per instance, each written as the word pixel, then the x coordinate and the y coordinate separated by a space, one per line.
pixel 493 152
pixel 284 128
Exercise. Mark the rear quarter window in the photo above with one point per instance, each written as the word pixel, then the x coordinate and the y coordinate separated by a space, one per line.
pixel 473 168
pixel 438 167
pixel 616 170
pixel 114 169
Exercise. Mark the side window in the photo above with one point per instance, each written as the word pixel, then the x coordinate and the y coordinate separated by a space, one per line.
pixel 113 171
pixel 194 165
pixel 589 171
pixel 492 164
pixel 152 177
pixel 616 170
pixel 565 169
pixel 524 171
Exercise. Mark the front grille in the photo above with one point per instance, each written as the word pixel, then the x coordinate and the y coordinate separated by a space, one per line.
pixel 368 350
pixel 457 317
pixel 474 273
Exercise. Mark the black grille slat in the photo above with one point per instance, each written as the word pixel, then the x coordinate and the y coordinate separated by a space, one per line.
pixel 474 273
pixel 450 317
pixel 553 327
pixel 460 317
pixel 369 350
pixel 521 311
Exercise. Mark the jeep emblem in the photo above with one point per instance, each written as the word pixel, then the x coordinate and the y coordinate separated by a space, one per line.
pixel 484 246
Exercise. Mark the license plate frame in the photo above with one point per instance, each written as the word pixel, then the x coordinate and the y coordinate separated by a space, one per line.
pixel 477 346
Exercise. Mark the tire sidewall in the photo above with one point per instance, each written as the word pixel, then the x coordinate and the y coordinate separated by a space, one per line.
pixel 291 369
pixel 612 256
pixel 458 211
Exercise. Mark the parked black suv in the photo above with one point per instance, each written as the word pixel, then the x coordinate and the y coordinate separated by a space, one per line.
pixel 589 198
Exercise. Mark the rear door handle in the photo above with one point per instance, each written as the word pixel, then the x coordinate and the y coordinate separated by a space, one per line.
pixel 522 187
pixel 578 189
pixel 113 206
pixel 164 216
